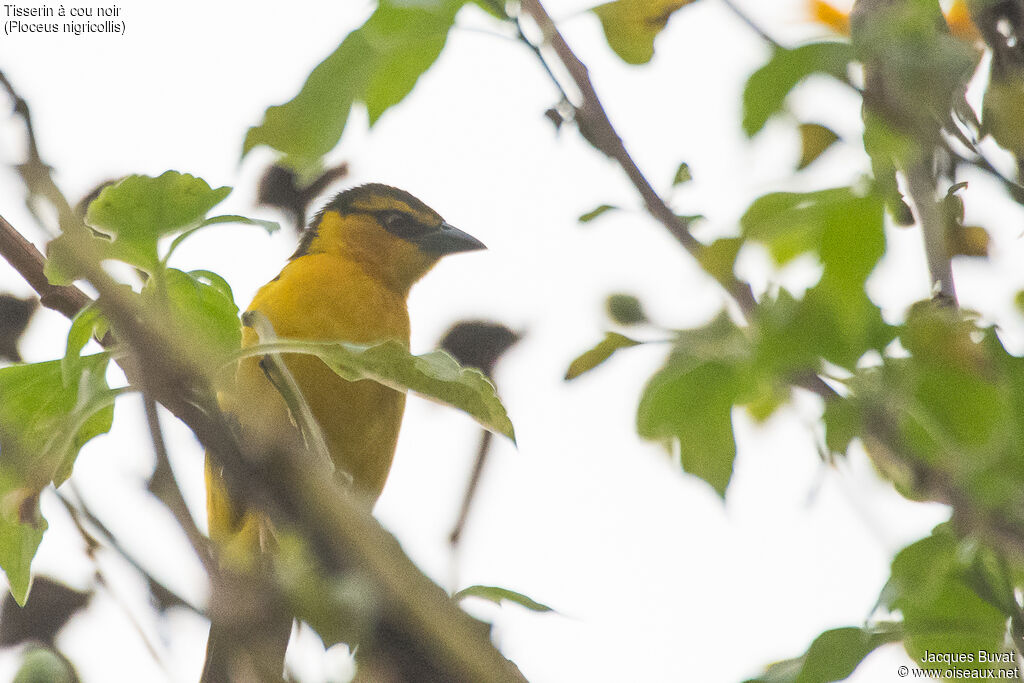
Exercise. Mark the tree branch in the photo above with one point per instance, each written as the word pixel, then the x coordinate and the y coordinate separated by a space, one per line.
pixel 28 261
pixel 597 129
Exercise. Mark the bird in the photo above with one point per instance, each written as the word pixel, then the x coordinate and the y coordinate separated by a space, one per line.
pixel 348 280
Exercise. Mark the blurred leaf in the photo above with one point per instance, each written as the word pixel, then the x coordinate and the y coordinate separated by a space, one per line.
pixel 815 139
pixel 377 64
pixel 50 419
pixel 19 539
pixel 589 360
pixel 692 404
pixel 478 344
pixel 43 665
pixel 625 309
pixel 690 399
pixel 15 314
pixel 436 375
pixel 282 188
pixel 1001 107
pixel 824 13
pixel 765 93
pixel 719 257
pixel 941 614
pixel 884 146
pixel 842 424
pixel 340 608
pixel 630 26
pixel 86 323
pixel 916 73
pixel 51 605
pixel 496 8
pixel 199 307
pixel 845 231
pixel 498 595
pixel 44 422
pixel 683 175
pixel 591 215
pixel 833 656
pixel 970 240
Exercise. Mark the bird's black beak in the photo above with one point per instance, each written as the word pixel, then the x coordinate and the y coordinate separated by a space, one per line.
pixel 447 239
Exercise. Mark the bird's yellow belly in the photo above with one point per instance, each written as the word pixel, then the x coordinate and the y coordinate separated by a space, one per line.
pixel 318 298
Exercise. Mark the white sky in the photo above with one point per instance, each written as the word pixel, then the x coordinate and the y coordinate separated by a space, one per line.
pixel 653 578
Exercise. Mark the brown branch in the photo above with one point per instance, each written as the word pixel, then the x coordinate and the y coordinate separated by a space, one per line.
pixel 932 482
pixel 471 488
pixel 28 261
pixel 165 487
pixel 597 129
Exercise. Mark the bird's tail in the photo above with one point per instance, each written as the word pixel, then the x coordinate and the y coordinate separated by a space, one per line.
pixel 250 624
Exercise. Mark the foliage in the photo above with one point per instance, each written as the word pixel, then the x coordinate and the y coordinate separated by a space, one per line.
pixel 934 397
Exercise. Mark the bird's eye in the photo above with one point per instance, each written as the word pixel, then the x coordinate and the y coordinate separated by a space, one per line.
pixel 399 224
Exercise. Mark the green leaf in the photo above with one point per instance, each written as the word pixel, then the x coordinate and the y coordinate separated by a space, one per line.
pixel 435 376
pixel 51 419
pixel 833 656
pixel 199 307
pixel 815 139
pixel 682 175
pixel 630 26
pixel 137 211
pixel 692 404
pixel 498 595
pixel 496 8
pixel 589 360
pixel 765 93
pixel 591 215
pixel 43 665
pixel 842 424
pixel 44 422
pixel 88 322
pixel 941 613
pixel 719 257
pixel 19 538
pixel 377 64
pixel 836 320
pixel 625 309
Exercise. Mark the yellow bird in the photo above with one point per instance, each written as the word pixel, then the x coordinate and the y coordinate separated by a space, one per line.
pixel 348 280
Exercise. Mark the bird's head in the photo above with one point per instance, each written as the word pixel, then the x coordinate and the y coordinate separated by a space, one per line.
pixel 393 235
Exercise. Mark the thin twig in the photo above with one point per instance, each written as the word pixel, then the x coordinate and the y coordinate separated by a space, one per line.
pixel 594 124
pixel 28 261
pixel 101 580
pixel 455 538
pixel 745 18
pixel 921 186
pixel 100 576
pixel 165 487
pixel 82 510
pixel 471 487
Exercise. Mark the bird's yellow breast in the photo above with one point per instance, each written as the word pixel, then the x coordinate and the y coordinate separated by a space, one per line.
pixel 323 297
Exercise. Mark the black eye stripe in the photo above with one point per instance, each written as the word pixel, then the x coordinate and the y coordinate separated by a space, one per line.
pixel 400 224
